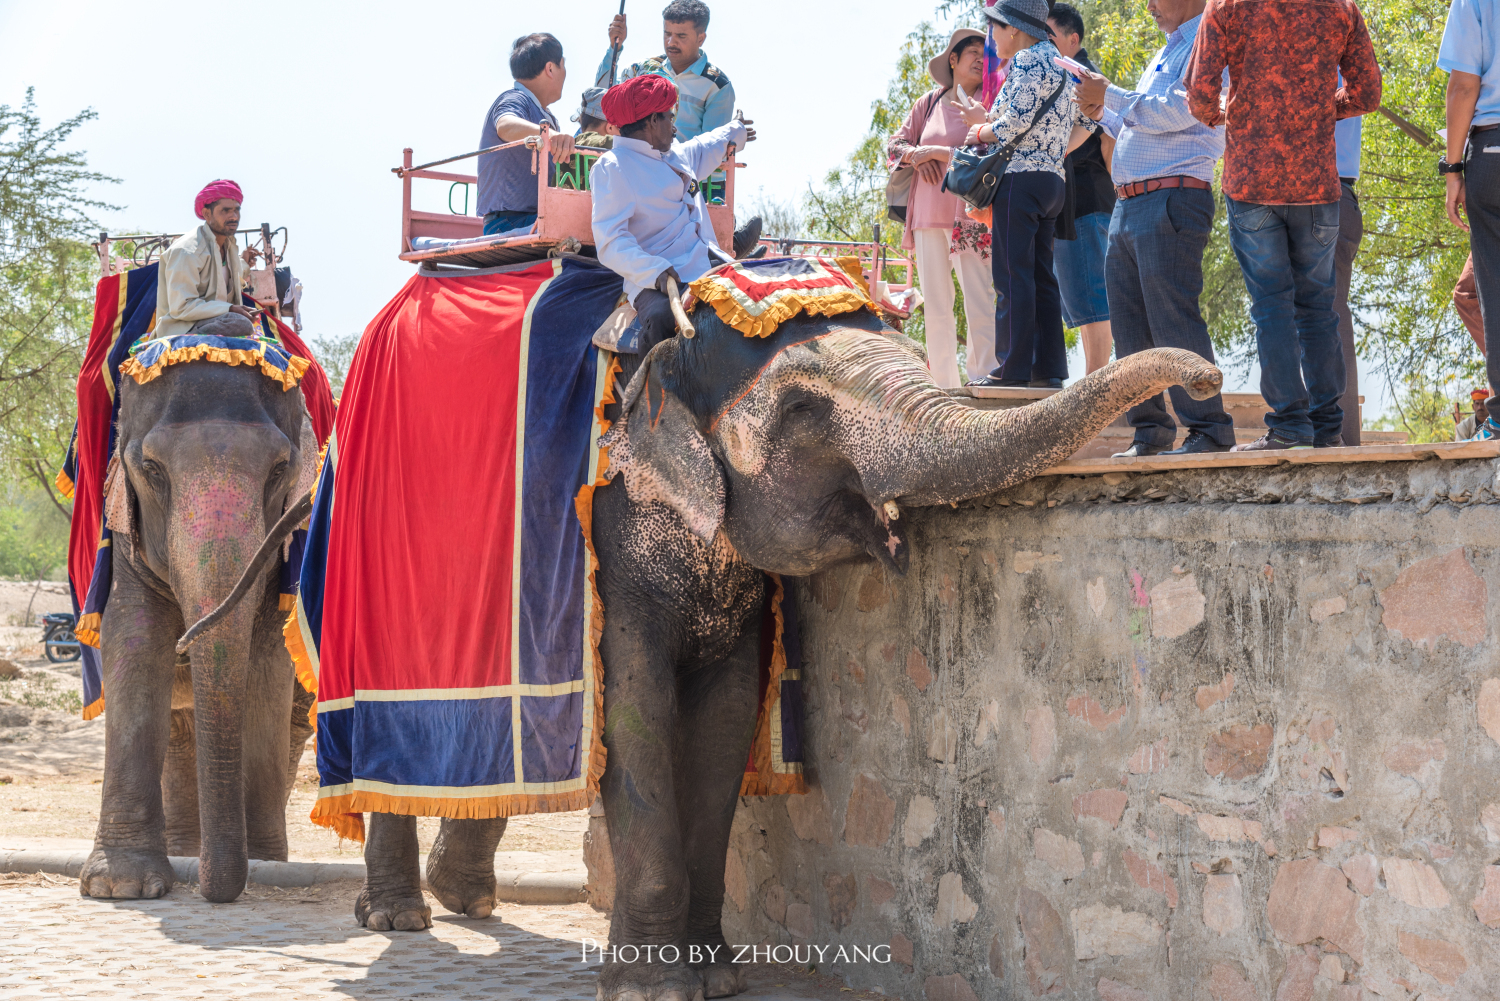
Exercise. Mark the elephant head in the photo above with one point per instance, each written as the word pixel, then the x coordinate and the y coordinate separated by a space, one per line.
pixel 209 456
pixel 802 447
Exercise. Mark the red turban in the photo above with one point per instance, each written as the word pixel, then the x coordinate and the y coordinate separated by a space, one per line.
pixel 213 192
pixel 637 98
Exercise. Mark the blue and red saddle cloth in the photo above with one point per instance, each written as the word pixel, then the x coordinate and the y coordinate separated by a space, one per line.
pixel 445 611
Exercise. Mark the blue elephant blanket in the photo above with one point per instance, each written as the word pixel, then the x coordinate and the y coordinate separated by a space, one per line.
pixel 447 616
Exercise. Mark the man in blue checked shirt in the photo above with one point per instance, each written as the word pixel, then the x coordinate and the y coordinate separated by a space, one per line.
pixel 1163 171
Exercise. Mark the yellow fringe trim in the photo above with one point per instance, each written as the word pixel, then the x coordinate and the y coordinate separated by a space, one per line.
pixel 830 303
pixel 94 708
pixel 64 485
pixel 291 635
pixel 288 378
pixel 87 629
pixel 767 781
pixel 287 603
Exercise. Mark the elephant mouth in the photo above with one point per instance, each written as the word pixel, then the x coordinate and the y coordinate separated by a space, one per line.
pixel 868 524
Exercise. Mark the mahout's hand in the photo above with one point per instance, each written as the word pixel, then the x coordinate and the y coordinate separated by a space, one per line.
pixel 661 280
pixel 617 30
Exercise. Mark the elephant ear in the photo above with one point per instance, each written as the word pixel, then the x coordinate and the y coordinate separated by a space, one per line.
pixel 663 456
pixel 117 508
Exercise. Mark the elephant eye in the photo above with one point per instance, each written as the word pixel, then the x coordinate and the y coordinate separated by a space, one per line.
pixel 278 471
pixel 154 473
pixel 799 405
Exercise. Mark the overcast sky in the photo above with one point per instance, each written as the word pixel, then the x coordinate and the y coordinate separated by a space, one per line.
pixel 308 106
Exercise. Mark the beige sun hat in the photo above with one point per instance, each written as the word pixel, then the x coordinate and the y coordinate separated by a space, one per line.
pixel 939 69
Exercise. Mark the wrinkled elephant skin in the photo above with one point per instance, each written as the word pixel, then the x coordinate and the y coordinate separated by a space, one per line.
pixel 200 751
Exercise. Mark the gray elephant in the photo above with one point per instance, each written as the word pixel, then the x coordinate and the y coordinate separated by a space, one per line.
pixel 790 453
pixel 201 750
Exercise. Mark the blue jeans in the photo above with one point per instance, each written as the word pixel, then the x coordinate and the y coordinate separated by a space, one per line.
pixel 1154 275
pixel 1287 254
pixel 1080 271
pixel 1028 306
pixel 496 223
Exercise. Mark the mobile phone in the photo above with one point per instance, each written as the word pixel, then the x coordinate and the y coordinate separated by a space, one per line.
pixel 1074 68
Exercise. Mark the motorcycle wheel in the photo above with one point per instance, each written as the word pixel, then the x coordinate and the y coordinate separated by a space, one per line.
pixel 62 645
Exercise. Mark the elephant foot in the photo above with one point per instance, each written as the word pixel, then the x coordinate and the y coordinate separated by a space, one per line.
pixel 125 874
pixel 385 911
pixel 469 894
pixel 722 980
pixel 644 981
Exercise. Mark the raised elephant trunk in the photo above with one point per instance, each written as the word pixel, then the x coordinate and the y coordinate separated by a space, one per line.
pixel 218 519
pixel 947 452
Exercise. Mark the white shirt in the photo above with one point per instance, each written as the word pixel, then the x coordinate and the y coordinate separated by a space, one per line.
pixel 648 210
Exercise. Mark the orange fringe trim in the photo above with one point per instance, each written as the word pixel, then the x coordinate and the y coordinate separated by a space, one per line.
pixel 64 485
pixel 767 781
pixel 94 708
pixel 288 378
pixel 287 602
pixel 87 629
pixel 814 302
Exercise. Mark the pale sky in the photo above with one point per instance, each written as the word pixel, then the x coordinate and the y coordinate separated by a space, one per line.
pixel 308 105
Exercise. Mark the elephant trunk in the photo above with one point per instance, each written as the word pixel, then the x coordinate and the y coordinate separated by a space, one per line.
pixel 946 451
pixel 218 525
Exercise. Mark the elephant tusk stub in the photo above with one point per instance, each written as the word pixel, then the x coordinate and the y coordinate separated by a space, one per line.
pixel 892 512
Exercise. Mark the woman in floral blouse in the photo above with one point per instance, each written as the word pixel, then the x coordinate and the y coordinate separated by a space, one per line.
pixel 1028 310
pixel 946 240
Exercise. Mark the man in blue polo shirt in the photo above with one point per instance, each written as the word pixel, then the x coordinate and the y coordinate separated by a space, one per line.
pixel 1472 160
pixel 507 187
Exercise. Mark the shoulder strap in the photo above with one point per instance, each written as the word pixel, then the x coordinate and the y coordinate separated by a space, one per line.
pixel 1046 107
pixel 933 97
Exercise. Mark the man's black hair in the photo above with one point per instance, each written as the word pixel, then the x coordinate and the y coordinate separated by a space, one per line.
pixel 636 128
pixel 679 11
pixel 531 54
pixel 588 123
pixel 1066 17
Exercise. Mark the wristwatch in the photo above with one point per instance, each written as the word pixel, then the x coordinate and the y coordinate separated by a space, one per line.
pixel 1444 167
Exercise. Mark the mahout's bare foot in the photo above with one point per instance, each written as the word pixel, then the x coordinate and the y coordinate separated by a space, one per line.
pixel 126 874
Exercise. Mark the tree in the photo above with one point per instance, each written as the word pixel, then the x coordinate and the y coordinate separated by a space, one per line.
pixel 46 285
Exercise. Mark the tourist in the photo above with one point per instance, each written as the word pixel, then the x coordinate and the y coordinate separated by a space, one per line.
pixel 201 274
pixel 1347 135
pixel 507 187
pixel 1036 108
pixel 1466 303
pixel 1163 169
pixel 1083 227
pixel 1281 187
pixel 945 239
pixel 1472 109
pixel 647 204
pixel 593 131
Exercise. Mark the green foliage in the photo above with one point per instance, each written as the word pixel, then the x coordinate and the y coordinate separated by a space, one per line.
pixel 33 534
pixel 47 273
pixel 1424 410
pixel 335 354
pixel 41 691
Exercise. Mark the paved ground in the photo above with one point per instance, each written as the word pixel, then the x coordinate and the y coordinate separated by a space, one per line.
pixel 297 944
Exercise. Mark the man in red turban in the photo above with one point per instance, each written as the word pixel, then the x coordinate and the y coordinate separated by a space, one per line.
pixel 200 275
pixel 649 219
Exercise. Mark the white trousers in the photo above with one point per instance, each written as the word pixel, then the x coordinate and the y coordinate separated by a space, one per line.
pixel 936 261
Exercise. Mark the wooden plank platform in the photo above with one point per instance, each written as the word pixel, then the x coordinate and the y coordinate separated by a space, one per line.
pixel 1291 457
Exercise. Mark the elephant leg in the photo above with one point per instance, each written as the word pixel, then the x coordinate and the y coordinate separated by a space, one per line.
pixel 651 874
pixel 715 727
pixel 392 896
pixel 179 786
pixel 140 631
pixel 461 866
pixel 266 735
pixel 302 731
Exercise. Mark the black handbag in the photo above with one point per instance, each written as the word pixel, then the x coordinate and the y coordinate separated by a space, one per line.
pixel 974 175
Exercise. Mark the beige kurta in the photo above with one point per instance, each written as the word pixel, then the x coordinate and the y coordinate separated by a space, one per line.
pixel 190 284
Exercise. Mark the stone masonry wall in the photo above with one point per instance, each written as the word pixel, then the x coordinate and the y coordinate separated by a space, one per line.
pixel 1225 734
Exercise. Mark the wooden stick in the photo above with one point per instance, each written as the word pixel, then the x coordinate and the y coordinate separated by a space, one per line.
pixel 684 325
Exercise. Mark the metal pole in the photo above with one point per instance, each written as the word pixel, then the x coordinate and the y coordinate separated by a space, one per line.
pixel 614 57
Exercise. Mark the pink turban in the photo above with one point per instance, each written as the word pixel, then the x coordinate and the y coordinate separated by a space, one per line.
pixel 213 192
pixel 637 98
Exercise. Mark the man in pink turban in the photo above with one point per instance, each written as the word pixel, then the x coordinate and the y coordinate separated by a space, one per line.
pixel 201 275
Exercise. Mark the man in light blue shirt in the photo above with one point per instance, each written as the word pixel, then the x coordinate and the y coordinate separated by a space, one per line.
pixel 649 219
pixel 1347 133
pixel 705 97
pixel 1472 161
pixel 1163 169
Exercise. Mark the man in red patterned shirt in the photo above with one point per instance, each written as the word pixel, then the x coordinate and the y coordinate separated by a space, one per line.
pixel 1281 186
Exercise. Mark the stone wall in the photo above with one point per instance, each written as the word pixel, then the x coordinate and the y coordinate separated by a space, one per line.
pixel 1226 734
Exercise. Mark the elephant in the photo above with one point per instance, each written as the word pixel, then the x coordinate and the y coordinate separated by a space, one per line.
pixel 740 455
pixel 201 751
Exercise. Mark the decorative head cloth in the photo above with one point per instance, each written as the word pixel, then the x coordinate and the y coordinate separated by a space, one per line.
pixel 754 297
pixel 213 191
pixel 637 98
pixel 149 357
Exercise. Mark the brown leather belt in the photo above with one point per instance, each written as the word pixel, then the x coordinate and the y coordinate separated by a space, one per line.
pixel 1157 183
pixel 1483 128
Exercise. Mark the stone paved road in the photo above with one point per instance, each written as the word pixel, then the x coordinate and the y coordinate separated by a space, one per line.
pixel 296 944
